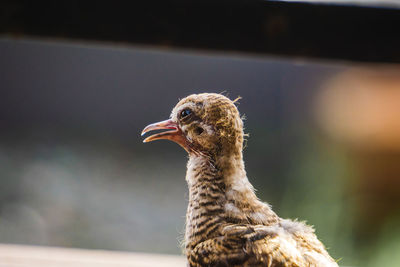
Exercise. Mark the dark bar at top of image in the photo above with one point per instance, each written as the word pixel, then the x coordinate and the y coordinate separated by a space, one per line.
pixel 323 31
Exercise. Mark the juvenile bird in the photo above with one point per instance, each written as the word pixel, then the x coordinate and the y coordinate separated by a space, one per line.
pixel 226 224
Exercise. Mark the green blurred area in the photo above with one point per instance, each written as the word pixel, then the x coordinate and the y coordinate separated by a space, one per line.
pixel 74 172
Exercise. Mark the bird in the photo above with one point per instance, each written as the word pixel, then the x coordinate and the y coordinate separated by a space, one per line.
pixel 226 223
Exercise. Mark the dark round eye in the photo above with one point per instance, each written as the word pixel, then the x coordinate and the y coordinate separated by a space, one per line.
pixel 185 112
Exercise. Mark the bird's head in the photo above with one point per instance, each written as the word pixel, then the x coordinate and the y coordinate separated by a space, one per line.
pixel 205 123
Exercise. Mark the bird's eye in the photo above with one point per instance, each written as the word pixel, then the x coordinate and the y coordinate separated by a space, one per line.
pixel 185 113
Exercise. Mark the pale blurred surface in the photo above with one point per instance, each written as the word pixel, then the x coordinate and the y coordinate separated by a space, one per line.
pixel 30 256
pixel 323 146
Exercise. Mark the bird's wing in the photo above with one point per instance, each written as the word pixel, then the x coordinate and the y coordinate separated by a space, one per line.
pixel 256 245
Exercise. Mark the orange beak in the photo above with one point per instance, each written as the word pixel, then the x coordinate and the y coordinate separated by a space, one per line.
pixel 175 134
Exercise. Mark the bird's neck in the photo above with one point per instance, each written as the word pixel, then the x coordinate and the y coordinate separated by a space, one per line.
pixel 220 193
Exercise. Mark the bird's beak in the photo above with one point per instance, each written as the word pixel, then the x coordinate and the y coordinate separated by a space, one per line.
pixel 175 134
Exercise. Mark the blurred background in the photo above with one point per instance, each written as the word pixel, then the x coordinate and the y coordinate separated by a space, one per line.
pixel 324 145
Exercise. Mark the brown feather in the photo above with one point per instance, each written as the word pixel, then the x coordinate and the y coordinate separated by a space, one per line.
pixel 226 224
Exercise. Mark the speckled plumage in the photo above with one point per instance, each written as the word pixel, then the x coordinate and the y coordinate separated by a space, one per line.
pixel 226 224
